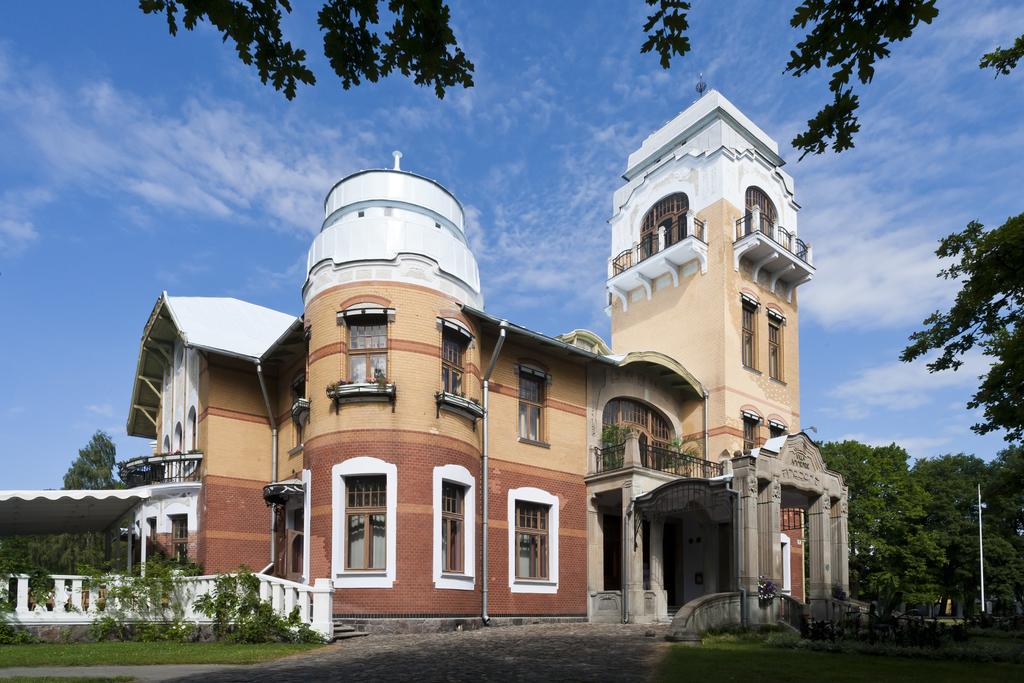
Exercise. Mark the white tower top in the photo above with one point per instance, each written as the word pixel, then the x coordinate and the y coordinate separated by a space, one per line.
pixel 390 224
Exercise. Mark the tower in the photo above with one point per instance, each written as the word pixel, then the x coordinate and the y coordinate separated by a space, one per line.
pixel 386 275
pixel 705 264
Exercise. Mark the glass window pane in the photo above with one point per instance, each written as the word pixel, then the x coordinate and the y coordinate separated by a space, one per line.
pixel 357 369
pixel 379 363
pixel 524 564
pixel 356 529
pixel 379 540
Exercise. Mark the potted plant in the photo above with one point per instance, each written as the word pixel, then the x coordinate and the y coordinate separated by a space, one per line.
pixel 381 379
pixel 766 589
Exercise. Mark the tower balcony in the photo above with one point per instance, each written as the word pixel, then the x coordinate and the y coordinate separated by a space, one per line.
pixel 658 254
pixel 162 468
pixel 774 250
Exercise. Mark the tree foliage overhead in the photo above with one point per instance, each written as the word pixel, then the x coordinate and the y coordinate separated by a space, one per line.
pixel 988 312
pixel 848 37
pixel 419 43
pixel 666 30
pixel 94 466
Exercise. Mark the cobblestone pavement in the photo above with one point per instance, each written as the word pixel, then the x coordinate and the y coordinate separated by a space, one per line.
pixel 549 652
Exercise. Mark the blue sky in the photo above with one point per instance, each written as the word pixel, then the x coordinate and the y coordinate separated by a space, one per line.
pixel 131 163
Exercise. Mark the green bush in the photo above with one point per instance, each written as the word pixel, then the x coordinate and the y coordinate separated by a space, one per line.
pixel 12 635
pixel 240 616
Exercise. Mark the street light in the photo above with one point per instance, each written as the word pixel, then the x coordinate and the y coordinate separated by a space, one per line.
pixel 981 550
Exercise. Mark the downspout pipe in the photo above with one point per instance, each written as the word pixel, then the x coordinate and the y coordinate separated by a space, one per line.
pixel 484 451
pixel 738 553
pixel 273 453
pixel 705 424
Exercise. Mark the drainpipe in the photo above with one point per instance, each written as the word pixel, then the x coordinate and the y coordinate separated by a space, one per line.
pixel 705 424
pixel 503 326
pixel 626 525
pixel 273 454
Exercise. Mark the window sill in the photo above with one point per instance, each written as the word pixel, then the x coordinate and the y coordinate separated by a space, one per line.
pixel 753 370
pixel 450 581
pixel 459 405
pixel 531 442
pixel 368 578
pixel 778 381
pixel 534 586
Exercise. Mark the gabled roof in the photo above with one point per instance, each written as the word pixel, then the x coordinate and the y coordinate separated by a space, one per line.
pixel 228 325
pixel 221 325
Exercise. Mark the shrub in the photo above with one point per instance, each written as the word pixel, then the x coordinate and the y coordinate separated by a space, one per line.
pixel 12 635
pixel 239 614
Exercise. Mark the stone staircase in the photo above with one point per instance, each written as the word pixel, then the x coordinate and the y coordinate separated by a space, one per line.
pixel 343 631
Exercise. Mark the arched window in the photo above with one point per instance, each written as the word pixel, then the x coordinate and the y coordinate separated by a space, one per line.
pixel 167 444
pixel 759 198
pixel 177 438
pixel 654 428
pixel 670 213
pixel 192 433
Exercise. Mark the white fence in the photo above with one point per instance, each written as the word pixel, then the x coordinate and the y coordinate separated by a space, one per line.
pixel 81 599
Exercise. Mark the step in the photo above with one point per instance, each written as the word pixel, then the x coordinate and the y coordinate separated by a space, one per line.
pixel 345 635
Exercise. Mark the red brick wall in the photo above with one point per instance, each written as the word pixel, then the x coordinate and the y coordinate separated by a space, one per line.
pixel 792 526
pixel 416 454
pixel 234 524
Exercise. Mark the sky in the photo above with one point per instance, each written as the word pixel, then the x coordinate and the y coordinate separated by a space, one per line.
pixel 132 162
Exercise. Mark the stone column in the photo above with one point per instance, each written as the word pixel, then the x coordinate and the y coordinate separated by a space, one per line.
pixel 769 526
pixel 841 545
pixel 658 568
pixel 633 557
pixel 631 455
pixel 820 546
pixel 595 547
pixel 745 481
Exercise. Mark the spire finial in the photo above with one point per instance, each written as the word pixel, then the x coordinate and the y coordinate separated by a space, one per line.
pixel 398 160
pixel 702 87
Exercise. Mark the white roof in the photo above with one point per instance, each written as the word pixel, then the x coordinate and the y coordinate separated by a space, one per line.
pixel 228 324
pixel 76 511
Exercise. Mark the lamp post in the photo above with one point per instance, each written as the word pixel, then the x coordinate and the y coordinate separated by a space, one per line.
pixel 981 551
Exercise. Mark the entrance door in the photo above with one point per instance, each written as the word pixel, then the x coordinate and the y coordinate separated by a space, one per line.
pixel 612 552
pixel 670 563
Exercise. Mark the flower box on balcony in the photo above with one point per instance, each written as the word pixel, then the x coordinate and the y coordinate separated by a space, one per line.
pixel 300 409
pixel 344 392
pixel 467 407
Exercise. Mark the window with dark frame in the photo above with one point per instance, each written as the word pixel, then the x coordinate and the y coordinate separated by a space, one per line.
pixel 366 522
pixel 775 429
pixel 775 348
pixel 453 353
pixel 749 340
pixel 531 541
pixel 179 538
pixel 453 527
pixel 367 348
pixel 531 406
pixel 750 433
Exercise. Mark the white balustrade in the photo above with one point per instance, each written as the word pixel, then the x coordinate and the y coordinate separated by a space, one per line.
pixel 76 600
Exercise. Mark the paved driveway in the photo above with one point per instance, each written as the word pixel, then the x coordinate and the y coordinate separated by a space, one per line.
pixel 555 652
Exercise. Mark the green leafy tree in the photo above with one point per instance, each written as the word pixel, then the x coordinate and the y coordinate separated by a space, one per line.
pixel 988 313
pixel 68 553
pixel 952 504
pixel 891 549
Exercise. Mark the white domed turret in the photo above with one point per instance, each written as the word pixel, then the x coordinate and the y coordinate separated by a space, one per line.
pixel 393 225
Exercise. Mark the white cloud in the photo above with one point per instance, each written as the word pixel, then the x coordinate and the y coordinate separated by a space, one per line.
pixel 103 409
pixel 208 157
pixel 902 386
pixel 17 229
pixel 916 446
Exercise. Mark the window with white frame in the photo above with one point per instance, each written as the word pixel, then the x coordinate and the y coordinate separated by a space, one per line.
pixel 454 528
pixel 365 507
pixel 532 541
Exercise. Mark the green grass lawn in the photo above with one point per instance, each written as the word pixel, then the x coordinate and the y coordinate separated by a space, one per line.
pixel 88 654
pixel 722 660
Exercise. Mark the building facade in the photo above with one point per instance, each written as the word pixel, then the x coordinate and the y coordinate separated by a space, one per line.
pixel 435 461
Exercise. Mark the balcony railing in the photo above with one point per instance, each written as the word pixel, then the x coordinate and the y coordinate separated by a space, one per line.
pixel 651 243
pixel 610 458
pixel 680 464
pixel 165 468
pixel 758 222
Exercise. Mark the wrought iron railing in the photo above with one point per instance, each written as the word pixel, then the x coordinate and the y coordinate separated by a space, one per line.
pixel 610 458
pixel 161 469
pixel 650 244
pixel 776 233
pixel 681 464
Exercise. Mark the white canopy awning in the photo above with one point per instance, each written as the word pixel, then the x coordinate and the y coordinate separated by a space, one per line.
pixel 53 512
